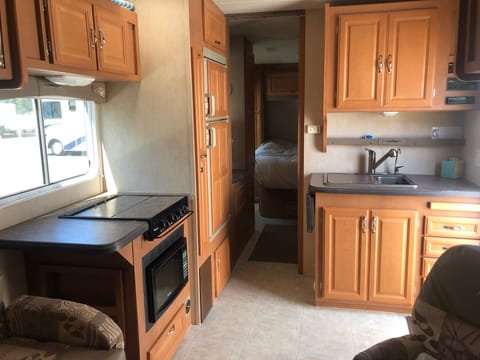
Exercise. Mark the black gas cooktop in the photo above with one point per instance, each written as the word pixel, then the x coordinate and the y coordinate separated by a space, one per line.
pixel 160 211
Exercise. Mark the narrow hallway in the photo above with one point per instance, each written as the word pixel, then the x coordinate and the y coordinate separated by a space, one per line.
pixel 266 312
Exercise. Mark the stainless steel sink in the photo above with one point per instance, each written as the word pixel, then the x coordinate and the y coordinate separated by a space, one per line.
pixel 374 181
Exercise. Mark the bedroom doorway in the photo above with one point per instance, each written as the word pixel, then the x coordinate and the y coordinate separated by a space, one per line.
pixel 265 123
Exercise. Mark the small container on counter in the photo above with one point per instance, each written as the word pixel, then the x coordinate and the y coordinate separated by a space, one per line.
pixel 452 168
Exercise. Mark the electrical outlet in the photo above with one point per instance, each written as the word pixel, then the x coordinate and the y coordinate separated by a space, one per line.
pixel 435 132
pixel 477 158
pixel 313 129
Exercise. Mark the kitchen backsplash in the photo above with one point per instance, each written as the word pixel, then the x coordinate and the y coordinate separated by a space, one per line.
pixel 415 159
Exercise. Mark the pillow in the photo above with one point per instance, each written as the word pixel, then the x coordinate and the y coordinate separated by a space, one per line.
pixel 63 321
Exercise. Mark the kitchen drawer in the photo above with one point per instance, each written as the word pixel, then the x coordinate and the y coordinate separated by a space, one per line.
pixel 435 246
pixel 169 340
pixel 455 227
pixel 427 265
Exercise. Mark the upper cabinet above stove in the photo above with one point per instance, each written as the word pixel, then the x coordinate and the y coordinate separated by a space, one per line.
pixel 468 65
pixel 96 38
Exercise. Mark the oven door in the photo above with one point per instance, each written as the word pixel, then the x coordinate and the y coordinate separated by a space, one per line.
pixel 165 275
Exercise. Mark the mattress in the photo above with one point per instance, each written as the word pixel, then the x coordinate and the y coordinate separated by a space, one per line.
pixel 276 164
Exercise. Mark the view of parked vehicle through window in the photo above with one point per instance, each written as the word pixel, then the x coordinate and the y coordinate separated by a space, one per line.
pixel 43 141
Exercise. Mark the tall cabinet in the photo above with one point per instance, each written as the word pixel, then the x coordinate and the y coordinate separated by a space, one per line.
pixel 209 51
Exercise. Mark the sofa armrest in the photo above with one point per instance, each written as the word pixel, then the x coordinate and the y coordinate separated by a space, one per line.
pixel 407 347
pixel 62 321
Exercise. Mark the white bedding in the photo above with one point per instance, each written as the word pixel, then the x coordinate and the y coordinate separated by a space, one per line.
pixel 276 165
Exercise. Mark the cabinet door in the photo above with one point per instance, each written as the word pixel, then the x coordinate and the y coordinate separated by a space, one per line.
pixel 214 26
pixel 469 40
pixel 217 89
pixel 345 265
pixel 72 33
pixel 222 266
pixel 116 40
pixel 392 256
pixel 220 175
pixel 361 62
pixel 282 84
pixel 33 32
pixel 410 59
pixel 6 71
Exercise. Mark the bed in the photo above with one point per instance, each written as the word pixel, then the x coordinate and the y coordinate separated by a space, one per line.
pixel 276 178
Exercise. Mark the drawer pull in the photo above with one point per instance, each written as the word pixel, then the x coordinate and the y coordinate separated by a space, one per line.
pixel 171 330
pixel 454 228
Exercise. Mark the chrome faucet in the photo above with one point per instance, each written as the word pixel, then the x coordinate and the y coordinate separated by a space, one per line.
pixel 373 164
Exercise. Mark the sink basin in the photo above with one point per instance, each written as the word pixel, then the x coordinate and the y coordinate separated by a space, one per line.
pixel 374 181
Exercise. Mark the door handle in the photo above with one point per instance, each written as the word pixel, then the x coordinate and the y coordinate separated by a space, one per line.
pixel 103 41
pixel 209 105
pixel 364 224
pixel 389 64
pixel 93 37
pixel 380 64
pixel 374 224
pixel 211 137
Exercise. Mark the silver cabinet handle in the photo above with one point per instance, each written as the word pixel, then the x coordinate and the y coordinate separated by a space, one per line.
pixel 454 227
pixel 380 64
pixel 2 56
pixel 389 64
pixel 103 41
pixel 171 330
pixel 374 224
pixel 93 37
pixel 364 224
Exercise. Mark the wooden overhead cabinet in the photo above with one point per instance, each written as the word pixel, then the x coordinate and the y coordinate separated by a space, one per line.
pixel 214 27
pixel 5 58
pixel 92 36
pixel 96 38
pixel 12 74
pixel 386 60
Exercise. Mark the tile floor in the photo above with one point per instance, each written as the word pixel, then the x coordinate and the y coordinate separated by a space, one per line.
pixel 266 312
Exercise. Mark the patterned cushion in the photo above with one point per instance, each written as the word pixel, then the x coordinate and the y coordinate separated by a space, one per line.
pixel 426 321
pixel 458 340
pixel 444 335
pixel 27 349
pixel 64 321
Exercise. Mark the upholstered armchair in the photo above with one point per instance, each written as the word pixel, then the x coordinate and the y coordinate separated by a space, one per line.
pixel 445 320
pixel 52 329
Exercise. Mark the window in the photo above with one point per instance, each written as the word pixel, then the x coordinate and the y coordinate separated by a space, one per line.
pixel 44 142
